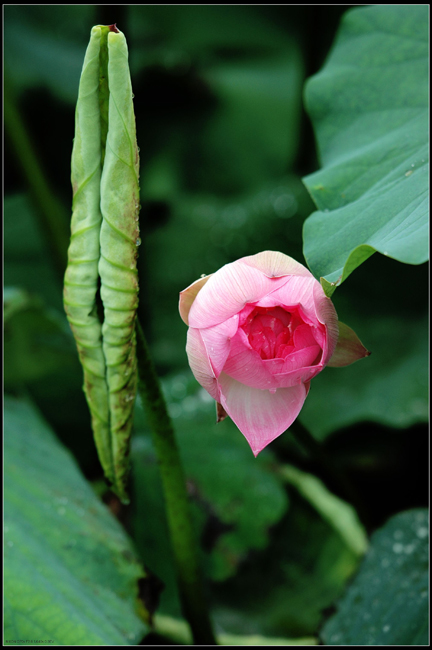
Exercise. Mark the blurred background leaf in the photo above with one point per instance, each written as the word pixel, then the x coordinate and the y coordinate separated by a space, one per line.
pixel 369 107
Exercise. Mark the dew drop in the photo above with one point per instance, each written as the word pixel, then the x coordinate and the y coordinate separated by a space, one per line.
pixel 138 241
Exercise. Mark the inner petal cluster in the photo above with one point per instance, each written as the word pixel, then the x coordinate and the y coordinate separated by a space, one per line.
pixel 276 332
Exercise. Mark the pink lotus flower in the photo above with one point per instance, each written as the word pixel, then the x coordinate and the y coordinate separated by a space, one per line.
pixel 259 330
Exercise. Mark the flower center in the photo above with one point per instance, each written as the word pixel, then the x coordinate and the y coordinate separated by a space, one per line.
pixel 271 331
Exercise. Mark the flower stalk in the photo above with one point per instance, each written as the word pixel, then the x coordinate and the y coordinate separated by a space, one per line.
pixel 183 540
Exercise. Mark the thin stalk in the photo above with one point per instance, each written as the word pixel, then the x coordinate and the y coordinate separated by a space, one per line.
pixel 49 211
pixel 183 540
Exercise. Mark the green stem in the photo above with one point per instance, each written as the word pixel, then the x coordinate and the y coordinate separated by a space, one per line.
pixel 49 210
pixel 180 525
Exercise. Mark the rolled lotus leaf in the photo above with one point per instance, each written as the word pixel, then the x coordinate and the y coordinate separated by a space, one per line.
pixel 103 248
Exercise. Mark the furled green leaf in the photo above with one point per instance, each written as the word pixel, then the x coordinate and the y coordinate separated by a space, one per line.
pixel 387 603
pixel 369 107
pixel 103 247
pixel 71 573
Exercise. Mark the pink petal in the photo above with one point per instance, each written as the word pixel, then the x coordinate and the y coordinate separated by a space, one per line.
pixel 246 366
pixel 326 314
pixel 296 290
pixel 301 359
pixel 303 337
pixel 260 415
pixel 228 291
pixel 200 363
pixel 217 340
pixel 275 265
pixel 349 348
pixel 188 295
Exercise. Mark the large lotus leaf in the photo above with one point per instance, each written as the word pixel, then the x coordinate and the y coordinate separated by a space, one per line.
pixel 387 603
pixel 71 573
pixel 369 107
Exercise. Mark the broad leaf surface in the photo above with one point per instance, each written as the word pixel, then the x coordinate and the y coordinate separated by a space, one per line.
pixel 369 108
pixel 387 603
pixel 71 574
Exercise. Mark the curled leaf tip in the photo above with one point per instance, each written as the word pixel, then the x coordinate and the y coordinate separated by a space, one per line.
pixel 113 28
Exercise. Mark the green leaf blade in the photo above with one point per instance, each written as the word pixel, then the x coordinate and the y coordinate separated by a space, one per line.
pixel 71 575
pixel 387 602
pixel 369 106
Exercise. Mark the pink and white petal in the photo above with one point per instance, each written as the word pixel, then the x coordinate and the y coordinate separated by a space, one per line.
pixel 260 415
pixel 200 363
pixel 274 264
pixel 326 314
pixel 349 348
pixel 301 358
pixel 247 367
pixel 297 290
pixel 188 295
pixel 300 376
pixel 304 336
pixel 217 340
pixel 228 291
